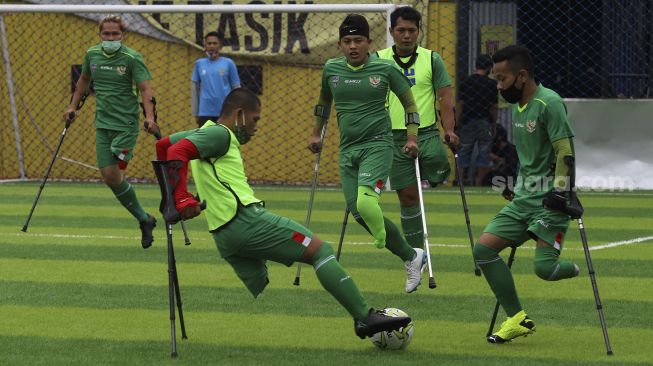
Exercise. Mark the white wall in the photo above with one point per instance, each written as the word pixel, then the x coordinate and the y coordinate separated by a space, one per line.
pixel 613 141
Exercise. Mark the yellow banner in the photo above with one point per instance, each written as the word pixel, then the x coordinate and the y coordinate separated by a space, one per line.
pixel 299 38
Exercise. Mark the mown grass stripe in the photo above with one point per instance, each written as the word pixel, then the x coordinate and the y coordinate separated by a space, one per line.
pixel 263 331
pixel 444 306
pixel 221 274
pixel 81 351
pixel 442 261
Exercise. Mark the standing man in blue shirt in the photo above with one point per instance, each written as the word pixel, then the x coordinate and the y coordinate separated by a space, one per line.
pixel 213 78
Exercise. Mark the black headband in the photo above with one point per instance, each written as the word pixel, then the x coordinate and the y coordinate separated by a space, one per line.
pixel 354 25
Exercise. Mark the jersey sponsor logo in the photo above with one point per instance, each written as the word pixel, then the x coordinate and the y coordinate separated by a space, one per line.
pixel 121 70
pixel 335 80
pixel 543 223
pixel 352 81
pixel 375 80
pixel 410 72
pixel 530 125
pixel 104 67
pixel 365 175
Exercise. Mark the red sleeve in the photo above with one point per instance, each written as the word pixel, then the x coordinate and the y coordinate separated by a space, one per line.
pixel 183 150
pixel 162 148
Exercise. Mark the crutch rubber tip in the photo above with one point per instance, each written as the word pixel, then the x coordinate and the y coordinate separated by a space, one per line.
pixel 184 337
pixel 432 283
pixel 477 272
pixel 296 283
pixel 610 353
pixel 24 229
pixel 173 355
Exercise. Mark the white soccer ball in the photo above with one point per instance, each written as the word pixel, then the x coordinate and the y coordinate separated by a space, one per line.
pixel 394 339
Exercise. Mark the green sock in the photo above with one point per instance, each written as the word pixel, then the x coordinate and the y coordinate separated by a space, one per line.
pixel 396 243
pixel 498 276
pixel 125 193
pixel 368 207
pixel 339 284
pixel 549 267
pixel 411 223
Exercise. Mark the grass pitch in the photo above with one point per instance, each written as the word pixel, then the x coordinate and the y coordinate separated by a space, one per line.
pixel 78 289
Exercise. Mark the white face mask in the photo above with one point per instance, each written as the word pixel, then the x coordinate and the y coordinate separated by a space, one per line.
pixel 111 46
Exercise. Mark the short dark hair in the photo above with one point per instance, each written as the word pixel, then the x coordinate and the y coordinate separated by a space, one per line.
pixel 518 57
pixel 213 34
pixel 406 13
pixel 483 62
pixel 240 98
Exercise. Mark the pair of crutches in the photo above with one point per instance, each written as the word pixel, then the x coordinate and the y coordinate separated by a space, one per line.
pixel 316 168
pixel 167 176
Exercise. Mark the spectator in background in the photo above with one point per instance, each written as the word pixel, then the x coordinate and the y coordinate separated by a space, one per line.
pixel 214 76
pixel 476 114
pixel 505 161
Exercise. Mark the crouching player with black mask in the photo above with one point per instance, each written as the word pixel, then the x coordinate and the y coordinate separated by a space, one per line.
pixel 245 232
pixel 543 139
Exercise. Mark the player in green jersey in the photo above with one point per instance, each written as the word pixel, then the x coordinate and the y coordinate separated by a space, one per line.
pixel 359 86
pixel 118 74
pixel 426 70
pixel 245 232
pixel 543 138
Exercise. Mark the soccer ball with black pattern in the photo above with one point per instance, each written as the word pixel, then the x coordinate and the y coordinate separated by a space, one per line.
pixel 394 339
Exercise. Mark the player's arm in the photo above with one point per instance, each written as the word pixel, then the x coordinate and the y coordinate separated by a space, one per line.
pixel 442 88
pixel 82 85
pixel 148 106
pixel 80 88
pixel 445 96
pixel 205 143
pixel 234 79
pixel 560 135
pixel 562 149
pixel 195 97
pixel 321 112
pixel 407 100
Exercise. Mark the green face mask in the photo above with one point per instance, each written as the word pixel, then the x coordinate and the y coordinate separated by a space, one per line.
pixel 111 46
pixel 241 132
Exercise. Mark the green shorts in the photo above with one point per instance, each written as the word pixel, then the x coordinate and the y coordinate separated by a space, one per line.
pixel 256 235
pixel 114 147
pixel 517 225
pixel 365 167
pixel 433 160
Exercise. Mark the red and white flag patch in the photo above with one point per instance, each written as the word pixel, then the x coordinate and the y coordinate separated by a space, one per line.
pixel 301 238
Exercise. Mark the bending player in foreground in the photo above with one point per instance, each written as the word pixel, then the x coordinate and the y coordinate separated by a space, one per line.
pixel 543 139
pixel 246 234
pixel 359 87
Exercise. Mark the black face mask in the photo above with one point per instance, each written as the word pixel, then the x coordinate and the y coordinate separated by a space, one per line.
pixel 512 95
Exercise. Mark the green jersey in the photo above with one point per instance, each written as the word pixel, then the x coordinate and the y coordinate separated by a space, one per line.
pixel 535 126
pixel 360 96
pixel 115 78
pixel 427 73
pixel 219 174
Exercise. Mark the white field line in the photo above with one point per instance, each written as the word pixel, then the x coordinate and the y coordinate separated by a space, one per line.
pixel 441 245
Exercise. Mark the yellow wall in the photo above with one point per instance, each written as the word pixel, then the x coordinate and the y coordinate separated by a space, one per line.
pixel 43 48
